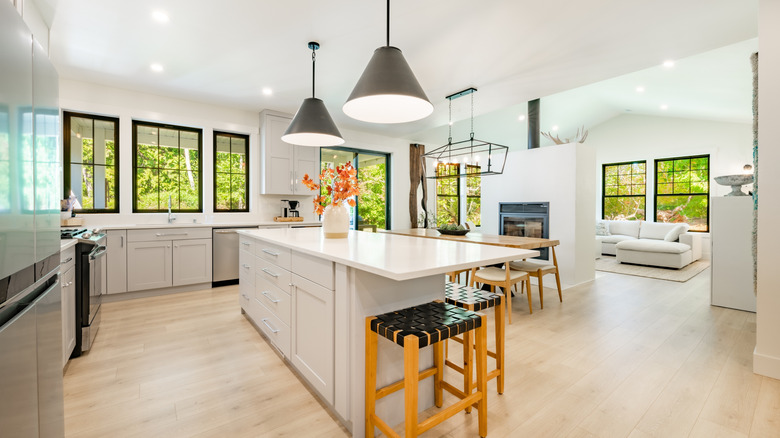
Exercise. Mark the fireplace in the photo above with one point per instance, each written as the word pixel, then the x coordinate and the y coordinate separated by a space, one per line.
pixel 525 219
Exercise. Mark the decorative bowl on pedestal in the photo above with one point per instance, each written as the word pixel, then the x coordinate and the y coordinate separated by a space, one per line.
pixel 736 182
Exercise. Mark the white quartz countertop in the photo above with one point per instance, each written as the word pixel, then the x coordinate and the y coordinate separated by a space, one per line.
pixel 392 256
pixel 67 243
pixel 197 225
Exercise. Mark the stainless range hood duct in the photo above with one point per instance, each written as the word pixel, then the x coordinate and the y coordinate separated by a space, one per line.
pixel 533 124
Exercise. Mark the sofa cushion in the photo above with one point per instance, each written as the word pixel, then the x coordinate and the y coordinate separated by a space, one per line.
pixel 655 230
pixel 626 228
pixel 675 232
pixel 602 228
pixel 651 245
pixel 615 238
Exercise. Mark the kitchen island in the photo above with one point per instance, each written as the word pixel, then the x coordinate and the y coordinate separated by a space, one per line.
pixel 310 295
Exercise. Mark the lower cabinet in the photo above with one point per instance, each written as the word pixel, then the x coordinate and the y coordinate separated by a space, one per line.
pixel 68 302
pixel 313 339
pixel 116 261
pixel 191 261
pixel 149 265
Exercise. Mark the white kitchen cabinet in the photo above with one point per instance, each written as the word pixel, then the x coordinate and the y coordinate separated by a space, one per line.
pixel 191 261
pixel 284 164
pixel 312 331
pixel 68 284
pixel 116 261
pixel 149 265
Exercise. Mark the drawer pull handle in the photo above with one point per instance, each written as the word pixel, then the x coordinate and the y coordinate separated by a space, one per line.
pixel 245 243
pixel 270 327
pixel 171 234
pixel 270 297
pixel 245 266
pixel 67 284
pixel 269 252
pixel 66 261
pixel 246 297
pixel 271 273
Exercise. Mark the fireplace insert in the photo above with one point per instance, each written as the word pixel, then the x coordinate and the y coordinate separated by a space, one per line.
pixel 525 219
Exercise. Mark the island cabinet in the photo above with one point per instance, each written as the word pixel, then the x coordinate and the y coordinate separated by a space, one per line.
pixel 284 165
pixel 158 258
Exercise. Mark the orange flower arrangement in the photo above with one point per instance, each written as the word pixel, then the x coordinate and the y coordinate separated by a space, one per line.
pixel 340 185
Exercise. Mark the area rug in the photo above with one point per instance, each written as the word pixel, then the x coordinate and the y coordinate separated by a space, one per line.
pixel 610 264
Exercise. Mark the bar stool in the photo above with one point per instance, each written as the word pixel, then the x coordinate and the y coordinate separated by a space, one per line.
pixel 413 328
pixel 504 278
pixel 538 270
pixel 474 300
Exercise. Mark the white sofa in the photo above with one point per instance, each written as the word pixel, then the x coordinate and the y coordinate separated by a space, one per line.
pixel 667 245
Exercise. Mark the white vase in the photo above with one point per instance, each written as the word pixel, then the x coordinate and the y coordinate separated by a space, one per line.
pixel 335 221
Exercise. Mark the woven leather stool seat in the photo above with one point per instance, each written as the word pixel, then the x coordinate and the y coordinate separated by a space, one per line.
pixel 466 297
pixel 429 322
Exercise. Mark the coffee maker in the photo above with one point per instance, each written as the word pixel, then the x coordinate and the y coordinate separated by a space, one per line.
pixel 290 208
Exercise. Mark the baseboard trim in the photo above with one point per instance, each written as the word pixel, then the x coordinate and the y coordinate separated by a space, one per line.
pixel 111 298
pixel 764 365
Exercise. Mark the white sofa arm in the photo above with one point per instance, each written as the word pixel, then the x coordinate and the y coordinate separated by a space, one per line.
pixel 694 241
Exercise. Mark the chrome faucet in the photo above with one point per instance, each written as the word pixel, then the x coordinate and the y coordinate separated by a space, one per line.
pixel 171 217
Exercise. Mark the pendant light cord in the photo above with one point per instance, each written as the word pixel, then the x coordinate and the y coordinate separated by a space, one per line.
pixel 388 23
pixel 449 141
pixel 472 116
pixel 313 63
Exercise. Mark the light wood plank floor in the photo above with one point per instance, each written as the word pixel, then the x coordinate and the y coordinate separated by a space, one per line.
pixel 620 357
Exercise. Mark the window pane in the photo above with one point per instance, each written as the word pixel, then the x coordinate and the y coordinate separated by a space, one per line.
pixel 611 191
pixel 611 180
pixel 446 210
pixel 169 137
pixel 700 163
pixel 147 156
pixel 168 158
pixel 169 189
pixel 238 195
pixel 664 189
pixel 238 155
pixel 639 189
pixel 222 191
pixel 665 166
pixel 147 181
pixel 110 188
pixel 188 191
pixel 87 187
pixel 685 209
pixel 87 151
pixel 473 213
pixel 624 208
pixel 683 165
pixel 610 171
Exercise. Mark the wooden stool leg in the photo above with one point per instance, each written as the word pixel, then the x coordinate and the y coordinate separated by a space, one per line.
pixel 481 359
pixel 508 295
pixel 438 362
pixel 528 291
pixel 411 374
pixel 468 365
pixel 500 325
pixel 371 347
pixel 541 288
pixel 558 282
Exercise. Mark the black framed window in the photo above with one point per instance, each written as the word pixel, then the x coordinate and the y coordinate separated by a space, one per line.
pixel 91 161
pixel 167 168
pixel 473 194
pixel 682 191
pixel 447 193
pixel 231 172
pixel 624 189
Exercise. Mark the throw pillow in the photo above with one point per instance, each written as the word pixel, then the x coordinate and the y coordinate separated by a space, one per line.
pixel 675 232
pixel 602 228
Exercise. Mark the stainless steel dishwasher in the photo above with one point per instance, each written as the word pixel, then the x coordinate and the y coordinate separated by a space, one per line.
pixel 224 259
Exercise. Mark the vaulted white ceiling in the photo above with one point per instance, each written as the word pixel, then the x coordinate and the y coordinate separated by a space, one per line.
pixel 226 52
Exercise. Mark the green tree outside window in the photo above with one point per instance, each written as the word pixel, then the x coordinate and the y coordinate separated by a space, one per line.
pixel 682 191
pixel 231 172
pixel 624 191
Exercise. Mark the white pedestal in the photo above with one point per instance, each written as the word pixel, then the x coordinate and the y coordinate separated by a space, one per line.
pixel 731 225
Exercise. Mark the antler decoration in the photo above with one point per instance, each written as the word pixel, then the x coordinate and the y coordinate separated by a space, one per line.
pixel 582 134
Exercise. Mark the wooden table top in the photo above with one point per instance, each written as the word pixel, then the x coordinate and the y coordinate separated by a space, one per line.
pixel 484 239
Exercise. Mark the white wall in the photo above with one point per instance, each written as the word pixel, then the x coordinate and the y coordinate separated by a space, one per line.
pixel 560 175
pixel 766 358
pixel 131 105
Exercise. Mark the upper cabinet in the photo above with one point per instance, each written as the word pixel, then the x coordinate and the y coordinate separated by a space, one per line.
pixel 284 165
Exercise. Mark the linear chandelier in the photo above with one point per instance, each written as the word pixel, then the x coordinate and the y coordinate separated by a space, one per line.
pixel 471 157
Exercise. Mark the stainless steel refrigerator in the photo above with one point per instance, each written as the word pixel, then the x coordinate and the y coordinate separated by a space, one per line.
pixel 31 392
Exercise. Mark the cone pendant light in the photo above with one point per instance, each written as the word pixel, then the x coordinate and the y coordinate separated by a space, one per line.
pixel 312 124
pixel 388 91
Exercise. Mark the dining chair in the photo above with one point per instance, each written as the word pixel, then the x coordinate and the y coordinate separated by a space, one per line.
pixel 504 278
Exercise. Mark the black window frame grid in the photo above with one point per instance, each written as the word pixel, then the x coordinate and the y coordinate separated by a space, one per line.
pixel 199 131
pixel 231 135
pixel 604 195
pixel 478 176
pixel 66 162
pixel 456 177
pixel 707 194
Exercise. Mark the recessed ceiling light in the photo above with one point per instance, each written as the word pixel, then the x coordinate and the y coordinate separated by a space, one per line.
pixel 554 128
pixel 267 91
pixel 521 117
pixel 160 16
pixel 156 67
pixel 450 122
pixel 668 63
pixel 640 89
pixel 664 107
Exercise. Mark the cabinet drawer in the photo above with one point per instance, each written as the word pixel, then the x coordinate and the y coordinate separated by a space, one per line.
pixel 156 234
pixel 273 273
pixel 276 331
pixel 274 299
pixel 275 254
pixel 313 268
pixel 247 244
pixel 244 296
pixel 246 267
pixel 67 259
